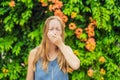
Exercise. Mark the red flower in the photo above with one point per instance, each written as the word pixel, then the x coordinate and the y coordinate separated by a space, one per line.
pixel 72 26
pixel 102 59
pixel 90 72
pixel 50 7
pixel 78 32
pixel 90 44
pixel 44 4
pixel 58 12
pixel 12 3
pixel 65 18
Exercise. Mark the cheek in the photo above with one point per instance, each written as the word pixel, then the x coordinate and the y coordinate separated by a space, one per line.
pixel 59 33
pixel 50 31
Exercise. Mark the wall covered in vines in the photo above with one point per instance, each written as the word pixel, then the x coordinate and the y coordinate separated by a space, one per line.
pixel 92 31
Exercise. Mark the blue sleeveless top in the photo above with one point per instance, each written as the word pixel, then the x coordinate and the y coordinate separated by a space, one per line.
pixel 53 73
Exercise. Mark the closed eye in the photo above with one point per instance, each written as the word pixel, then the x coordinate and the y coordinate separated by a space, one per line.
pixel 50 29
pixel 57 29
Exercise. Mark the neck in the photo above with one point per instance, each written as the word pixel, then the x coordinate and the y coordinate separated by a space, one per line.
pixel 52 52
pixel 52 47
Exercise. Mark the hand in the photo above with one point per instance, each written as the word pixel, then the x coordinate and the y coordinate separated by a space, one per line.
pixel 54 38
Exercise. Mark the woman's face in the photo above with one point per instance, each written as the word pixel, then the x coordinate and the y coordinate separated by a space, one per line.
pixel 55 27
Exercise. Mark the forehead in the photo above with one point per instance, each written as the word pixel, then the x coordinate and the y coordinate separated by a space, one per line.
pixel 54 23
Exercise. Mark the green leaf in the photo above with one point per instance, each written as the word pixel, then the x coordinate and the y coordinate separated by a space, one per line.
pixel 3 11
pixel 34 34
pixel 17 48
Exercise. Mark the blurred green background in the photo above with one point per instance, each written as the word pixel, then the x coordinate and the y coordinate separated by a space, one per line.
pixel 92 31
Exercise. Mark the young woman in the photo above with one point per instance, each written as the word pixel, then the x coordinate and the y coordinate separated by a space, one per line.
pixel 52 58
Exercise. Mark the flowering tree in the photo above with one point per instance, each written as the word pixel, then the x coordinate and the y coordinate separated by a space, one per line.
pixel 92 30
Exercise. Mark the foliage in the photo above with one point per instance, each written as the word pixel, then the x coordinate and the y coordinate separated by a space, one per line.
pixel 92 30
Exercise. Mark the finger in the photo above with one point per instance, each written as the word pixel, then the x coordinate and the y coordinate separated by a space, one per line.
pixel 53 34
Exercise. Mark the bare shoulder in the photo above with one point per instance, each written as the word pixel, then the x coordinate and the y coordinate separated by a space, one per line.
pixel 33 53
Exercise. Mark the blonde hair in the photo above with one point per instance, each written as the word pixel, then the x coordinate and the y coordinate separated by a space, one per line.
pixel 42 51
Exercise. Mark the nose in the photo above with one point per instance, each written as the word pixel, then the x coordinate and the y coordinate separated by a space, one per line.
pixel 54 31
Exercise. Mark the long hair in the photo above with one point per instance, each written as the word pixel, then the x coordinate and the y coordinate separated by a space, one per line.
pixel 42 52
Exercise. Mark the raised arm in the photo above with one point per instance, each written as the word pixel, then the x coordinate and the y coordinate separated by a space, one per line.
pixel 71 58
